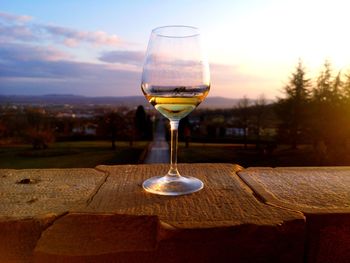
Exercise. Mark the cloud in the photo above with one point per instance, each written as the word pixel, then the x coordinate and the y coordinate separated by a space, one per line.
pixel 32 70
pixel 123 56
pixel 16 53
pixel 17 32
pixel 234 81
pixel 71 36
pixel 20 28
pixel 234 74
pixel 21 60
pixel 63 69
pixel 15 18
pixel 64 77
pixel 34 60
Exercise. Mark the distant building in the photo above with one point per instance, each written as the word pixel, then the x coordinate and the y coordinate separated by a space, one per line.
pixel 86 129
pixel 233 131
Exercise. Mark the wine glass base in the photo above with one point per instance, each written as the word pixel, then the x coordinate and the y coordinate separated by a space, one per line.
pixel 167 185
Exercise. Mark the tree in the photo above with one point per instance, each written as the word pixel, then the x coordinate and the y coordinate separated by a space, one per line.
pixel 323 92
pixel 244 112
pixel 129 129
pixel 346 88
pixel 259 111
pixel 111 125
pixel 328 108
pixel 39 131
pixel 346 108
pixel 293 109
pixel 185 130
pixel 141 122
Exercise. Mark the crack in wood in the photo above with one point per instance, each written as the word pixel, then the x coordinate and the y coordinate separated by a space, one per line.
pixel 97 189
pixel 260 198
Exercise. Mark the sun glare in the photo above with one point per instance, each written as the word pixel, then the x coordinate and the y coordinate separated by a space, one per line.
pixel 269 41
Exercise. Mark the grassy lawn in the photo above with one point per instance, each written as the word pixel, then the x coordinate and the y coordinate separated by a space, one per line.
pixel 235 153
pixel 91 154
pixel 70 155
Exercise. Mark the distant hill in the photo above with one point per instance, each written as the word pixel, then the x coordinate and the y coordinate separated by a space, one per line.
pixel 131 101
pixel 218 103
pixel 54 99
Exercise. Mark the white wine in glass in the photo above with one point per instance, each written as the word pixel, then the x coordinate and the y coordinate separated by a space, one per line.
pixel 175 80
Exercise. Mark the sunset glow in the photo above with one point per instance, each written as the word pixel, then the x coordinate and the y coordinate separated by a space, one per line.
pixel 96 48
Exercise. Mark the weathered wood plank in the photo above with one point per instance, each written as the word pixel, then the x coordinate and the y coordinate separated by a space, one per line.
pixel 225 200
pixel 318 189
pixel 321 193
pixel 35 192
pixel 18 237
pixel 223 222
pixel 30 200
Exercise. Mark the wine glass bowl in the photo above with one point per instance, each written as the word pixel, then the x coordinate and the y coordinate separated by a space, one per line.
pixel 175 80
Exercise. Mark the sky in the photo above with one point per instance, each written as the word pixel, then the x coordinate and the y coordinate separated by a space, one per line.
pixel 96 48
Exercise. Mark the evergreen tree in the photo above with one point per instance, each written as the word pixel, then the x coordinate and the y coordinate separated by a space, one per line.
pixel 323 92
pixel 337 94
pixel 293 109
pixel 346 87
pixel 345 111
pixel 328 108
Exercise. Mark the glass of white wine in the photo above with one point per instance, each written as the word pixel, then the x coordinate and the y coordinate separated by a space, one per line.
pixel 175 80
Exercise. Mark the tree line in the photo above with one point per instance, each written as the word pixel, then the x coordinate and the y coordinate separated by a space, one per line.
pixel 316 110
pixel 312 111
pixel 40 127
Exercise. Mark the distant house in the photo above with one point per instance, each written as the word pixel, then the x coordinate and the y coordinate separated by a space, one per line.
pixel 90 129
pixel 85 129
pixel 234 131
pixel 65 115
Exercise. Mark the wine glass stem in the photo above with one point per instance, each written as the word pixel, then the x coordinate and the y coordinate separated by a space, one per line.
pixel 173 172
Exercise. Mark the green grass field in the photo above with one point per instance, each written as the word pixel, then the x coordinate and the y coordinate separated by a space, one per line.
pixel 91 154
pixel 283 155
pixel 70 155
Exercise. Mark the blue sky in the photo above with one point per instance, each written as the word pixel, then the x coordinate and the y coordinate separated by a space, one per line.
pixel 96 48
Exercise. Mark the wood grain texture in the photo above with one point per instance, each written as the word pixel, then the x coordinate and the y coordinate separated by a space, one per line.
pixel 30 200
pixel 224 222
pixel 35 192
pixel 322 194
pixel 224 201
pixel 100 234
pixel 313 189
pixel 18 237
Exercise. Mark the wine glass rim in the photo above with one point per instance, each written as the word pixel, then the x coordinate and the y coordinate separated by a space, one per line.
pixel 157 32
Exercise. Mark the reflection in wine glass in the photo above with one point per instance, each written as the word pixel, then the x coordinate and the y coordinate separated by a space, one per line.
pixel 175 80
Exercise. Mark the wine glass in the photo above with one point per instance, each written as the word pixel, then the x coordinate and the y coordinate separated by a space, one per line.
pixel 175 80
